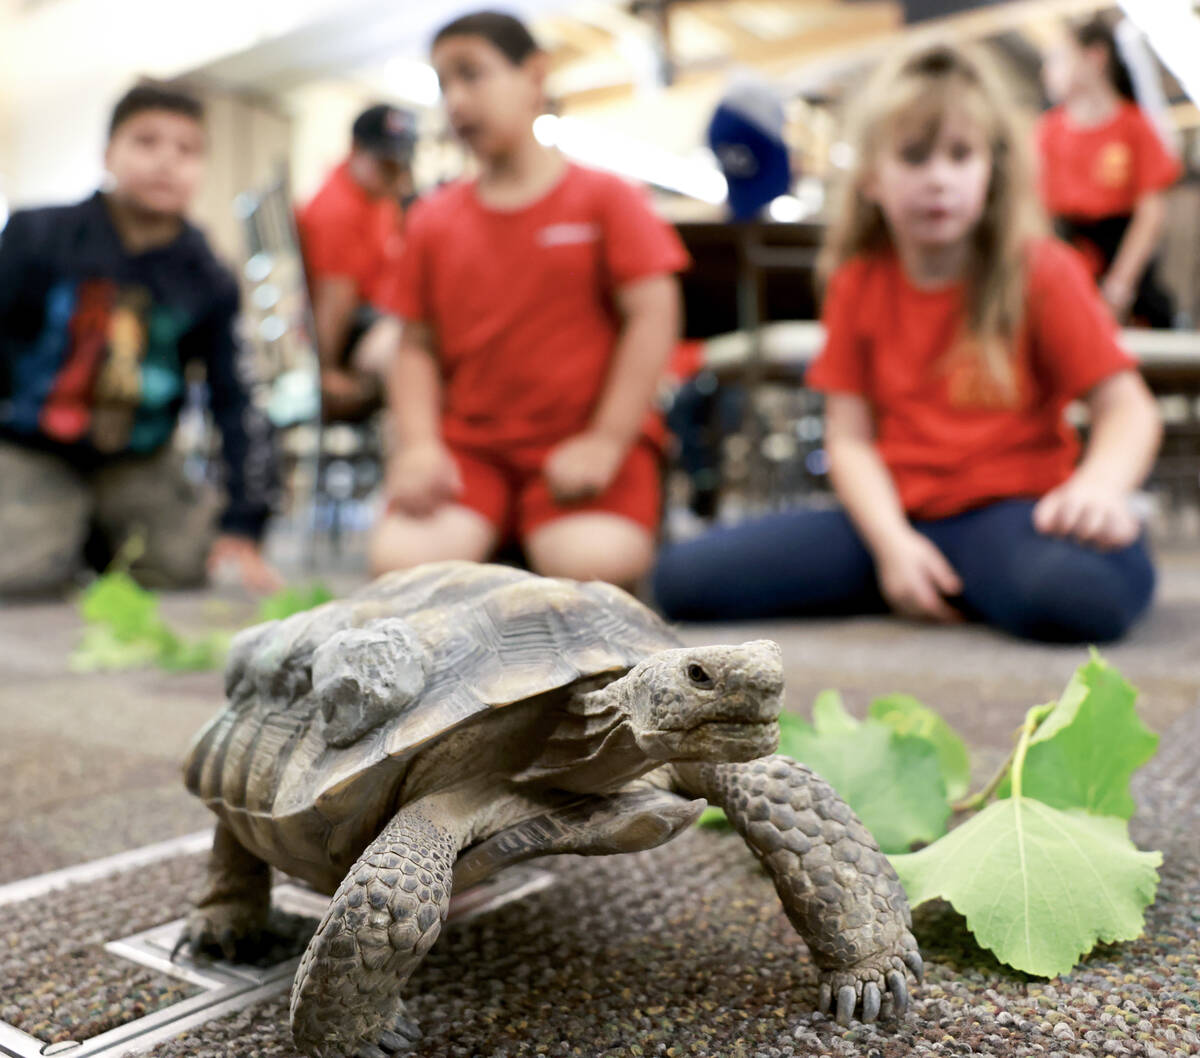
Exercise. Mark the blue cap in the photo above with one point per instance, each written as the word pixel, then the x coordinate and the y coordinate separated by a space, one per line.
pixel 746 135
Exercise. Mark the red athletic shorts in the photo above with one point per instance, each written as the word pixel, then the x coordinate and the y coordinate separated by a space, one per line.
pixel 504 483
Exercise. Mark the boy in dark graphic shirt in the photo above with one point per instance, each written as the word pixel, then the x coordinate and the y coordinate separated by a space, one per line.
pixel 102 305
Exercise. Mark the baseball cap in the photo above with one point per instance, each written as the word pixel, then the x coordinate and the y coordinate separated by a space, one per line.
pixel 746 135
pixel 386 131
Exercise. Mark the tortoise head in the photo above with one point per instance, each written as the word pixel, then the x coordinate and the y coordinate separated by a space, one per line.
pixel 718 703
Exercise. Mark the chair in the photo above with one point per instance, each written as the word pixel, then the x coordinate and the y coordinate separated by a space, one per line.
pixel 330 466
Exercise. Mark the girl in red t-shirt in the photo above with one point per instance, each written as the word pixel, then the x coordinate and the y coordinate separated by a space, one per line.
pixel 1104 168
pixel 956 334
pixel 540 309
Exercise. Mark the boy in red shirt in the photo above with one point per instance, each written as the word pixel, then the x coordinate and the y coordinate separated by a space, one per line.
pixel 351 235
pixel 540 309
pixel 1104 168
pixel 956 336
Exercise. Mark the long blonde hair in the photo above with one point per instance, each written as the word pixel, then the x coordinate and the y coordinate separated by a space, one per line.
pixel 922 88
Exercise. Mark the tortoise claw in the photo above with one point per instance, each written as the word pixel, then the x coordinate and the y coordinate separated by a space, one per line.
pixel 400 1042
pixel 913 960
pixel 846 1000
pixel 824 997
pixel 402 1038
pixel 899 990
pixel 228 943
pixel 180 944
pixel 870 1001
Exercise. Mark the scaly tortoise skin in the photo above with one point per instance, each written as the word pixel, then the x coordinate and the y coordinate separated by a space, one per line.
pixel 445 722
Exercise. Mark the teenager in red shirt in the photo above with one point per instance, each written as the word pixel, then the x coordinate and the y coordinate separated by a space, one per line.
pixel 956 336
pixel 351 235
pixel 1104 168
pixel 540 309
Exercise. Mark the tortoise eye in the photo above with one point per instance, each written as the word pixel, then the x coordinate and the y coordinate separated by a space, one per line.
pixel 699 675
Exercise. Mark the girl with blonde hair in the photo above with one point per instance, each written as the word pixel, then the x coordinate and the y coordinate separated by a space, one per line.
pixel 956 334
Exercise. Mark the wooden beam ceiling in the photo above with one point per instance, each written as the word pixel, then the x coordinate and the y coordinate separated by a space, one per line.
pixel 800 42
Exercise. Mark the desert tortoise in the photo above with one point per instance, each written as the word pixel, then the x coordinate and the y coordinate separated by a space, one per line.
pixel 444 722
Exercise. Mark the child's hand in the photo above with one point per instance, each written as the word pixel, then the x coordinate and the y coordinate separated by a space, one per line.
pixel 1118 294
pixel 421 478
pixel 238 558
pixel 1092 513
pixel 344 395
pixel 583 466
pixel 915 578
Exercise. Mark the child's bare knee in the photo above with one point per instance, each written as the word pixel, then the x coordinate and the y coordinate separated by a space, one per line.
pixel 393 547
pixel 618 553
pixel 400 542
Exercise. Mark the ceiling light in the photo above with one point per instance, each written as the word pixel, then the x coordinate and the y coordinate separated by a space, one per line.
pixel 412 80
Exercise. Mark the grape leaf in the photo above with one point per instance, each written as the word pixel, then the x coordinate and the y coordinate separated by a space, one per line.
pixel 892 781
pixel 830 716
pixel 906 716
pixel 1037 885
pixel 1085 751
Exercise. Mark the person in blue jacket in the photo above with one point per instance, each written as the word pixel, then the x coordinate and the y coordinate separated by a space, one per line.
pixel 103 304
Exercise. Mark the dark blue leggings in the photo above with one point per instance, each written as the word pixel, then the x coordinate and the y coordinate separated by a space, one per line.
pixel 809 562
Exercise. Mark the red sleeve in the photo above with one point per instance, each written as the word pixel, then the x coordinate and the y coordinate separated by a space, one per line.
pixel 637 242
pixel 333 243
pixel 1155 167
pixel 841 366
pixel 1075 338
pixel 406 293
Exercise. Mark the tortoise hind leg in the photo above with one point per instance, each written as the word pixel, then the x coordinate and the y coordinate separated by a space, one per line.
pixel 232 913
pixel 382 920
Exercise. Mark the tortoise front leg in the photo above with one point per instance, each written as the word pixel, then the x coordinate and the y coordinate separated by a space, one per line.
pixel 382 920
pixel 236 900
pixel 838 889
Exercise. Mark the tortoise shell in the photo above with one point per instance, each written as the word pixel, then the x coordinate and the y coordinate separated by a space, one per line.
pixel 326 707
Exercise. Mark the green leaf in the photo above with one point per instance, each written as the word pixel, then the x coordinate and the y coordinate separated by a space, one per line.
pixel 893 782
pixel 197 654
pixel 1038 886
pixel 714 818
pixel 125 630
pixel 906 716
pixel 101 648
pixel 830 716
pixel 290 600
pixel 1085 751
pixel 791 729
pixel 116 600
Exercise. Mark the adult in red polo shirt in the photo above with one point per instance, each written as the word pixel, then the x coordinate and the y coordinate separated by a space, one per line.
pixel 1104 168
pixel 351 234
